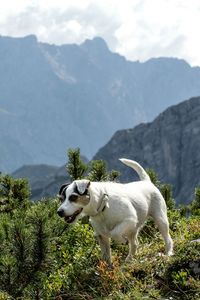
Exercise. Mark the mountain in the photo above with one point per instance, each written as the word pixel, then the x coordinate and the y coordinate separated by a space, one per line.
pixel 56 97
pixel 44 180
pixel 170 145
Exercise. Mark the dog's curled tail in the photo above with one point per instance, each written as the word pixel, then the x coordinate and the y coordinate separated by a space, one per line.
pixel 137 167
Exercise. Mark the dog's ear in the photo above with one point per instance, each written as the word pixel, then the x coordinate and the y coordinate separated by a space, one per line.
pixel 82 186
pixel 62 188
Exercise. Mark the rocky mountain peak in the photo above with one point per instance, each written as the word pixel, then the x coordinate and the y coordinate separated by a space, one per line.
pixel 169 145
pixel 95 44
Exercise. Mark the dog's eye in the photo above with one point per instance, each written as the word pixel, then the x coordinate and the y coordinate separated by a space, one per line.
pixel 73 198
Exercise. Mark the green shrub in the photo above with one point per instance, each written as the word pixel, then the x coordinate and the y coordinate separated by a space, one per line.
pixel 195 205
pixel 14 193
pixel 76 168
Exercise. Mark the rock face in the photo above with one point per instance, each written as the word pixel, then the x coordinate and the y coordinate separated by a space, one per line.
pixel 170 145
pixel 56 97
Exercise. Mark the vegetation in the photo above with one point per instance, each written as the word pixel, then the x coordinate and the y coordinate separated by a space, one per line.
pixel 40 260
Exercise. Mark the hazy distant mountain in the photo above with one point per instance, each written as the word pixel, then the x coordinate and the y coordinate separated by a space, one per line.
pixel 170 145
pixel 44 180
pixel 56 97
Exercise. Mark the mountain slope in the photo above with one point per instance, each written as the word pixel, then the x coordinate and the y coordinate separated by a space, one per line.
pixel 56 97
pixel 170 145
pixel 44 180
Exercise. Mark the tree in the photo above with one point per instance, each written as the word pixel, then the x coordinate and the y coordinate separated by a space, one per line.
pixel 166 191
pixel 195 205
pixel 14 193
pixel 76 168
pixel 98 171
pixel 154 177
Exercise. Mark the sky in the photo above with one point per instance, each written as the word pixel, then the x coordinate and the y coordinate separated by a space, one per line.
pixel 137 29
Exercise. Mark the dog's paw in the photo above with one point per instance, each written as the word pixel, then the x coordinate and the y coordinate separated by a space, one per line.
pixel 165 256
pixel 170 253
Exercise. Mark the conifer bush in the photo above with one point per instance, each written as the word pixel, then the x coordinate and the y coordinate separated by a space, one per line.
pixel 195 205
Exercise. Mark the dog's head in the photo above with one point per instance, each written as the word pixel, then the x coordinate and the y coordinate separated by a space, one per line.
pixel 74 197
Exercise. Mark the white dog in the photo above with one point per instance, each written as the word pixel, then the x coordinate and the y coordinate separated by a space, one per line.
pixel 116 210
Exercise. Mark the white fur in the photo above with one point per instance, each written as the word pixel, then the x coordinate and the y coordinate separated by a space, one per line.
pixel 126 208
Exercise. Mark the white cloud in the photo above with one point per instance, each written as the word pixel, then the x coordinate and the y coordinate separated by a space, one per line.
pixel 161 28
pixel 138 29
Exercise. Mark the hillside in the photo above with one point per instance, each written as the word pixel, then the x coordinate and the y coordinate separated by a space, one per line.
pixel 170 145
pixel 56 97
pixel 44 180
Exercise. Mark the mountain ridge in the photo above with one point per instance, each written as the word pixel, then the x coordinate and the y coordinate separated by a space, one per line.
pixel 57 97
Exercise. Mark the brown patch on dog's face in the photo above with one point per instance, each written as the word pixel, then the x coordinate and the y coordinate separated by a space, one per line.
pixel 81 200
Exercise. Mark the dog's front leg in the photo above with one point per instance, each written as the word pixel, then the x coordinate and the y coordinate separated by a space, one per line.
pixel 104 243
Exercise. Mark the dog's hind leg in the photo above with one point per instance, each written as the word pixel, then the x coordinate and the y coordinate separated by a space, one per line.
pixel 159 213
pixel 133 245
pixel 104 243
pixel 163 226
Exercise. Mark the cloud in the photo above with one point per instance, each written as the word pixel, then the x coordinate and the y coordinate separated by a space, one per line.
pixel 161 28
pixel 66 24
pixel 138 29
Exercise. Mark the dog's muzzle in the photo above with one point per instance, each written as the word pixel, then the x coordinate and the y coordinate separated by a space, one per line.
pixel 60 212
pixel 71 218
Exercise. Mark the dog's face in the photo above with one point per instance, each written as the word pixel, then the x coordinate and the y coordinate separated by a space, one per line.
pixel 74 198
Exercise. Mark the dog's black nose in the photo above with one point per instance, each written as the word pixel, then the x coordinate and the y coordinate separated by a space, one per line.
pixel 60 212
